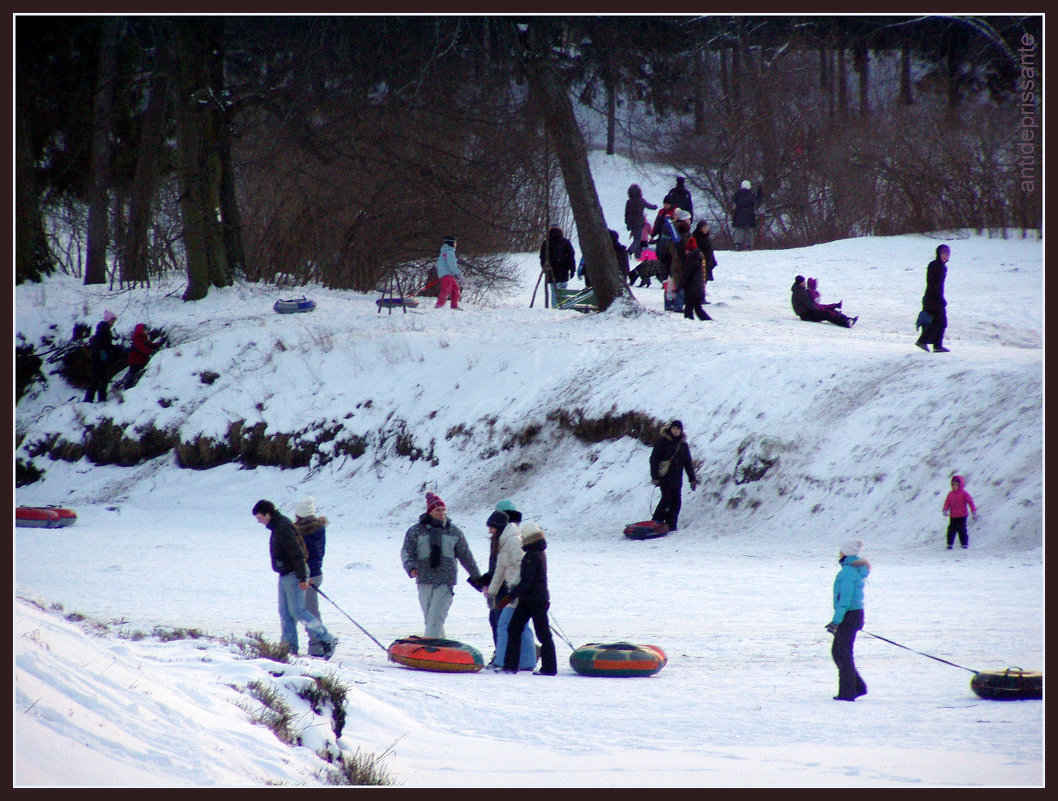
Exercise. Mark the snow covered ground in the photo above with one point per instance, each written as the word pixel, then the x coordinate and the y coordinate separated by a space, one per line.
pixel 863 429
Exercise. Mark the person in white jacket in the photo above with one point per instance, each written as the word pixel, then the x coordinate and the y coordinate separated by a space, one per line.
pixel 506 575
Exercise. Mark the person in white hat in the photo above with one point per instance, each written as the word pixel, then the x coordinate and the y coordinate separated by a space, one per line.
pixel 313 530
pixel 743 215
pixel 848 618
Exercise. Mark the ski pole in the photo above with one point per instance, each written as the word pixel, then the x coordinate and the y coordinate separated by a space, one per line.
pixel 368 633
pixel 898 645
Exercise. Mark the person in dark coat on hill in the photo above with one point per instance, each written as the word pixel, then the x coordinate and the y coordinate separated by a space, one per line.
pixel 743 215
pixel 313 532
pixel 680 197
pixel 557 254
pixel 705 245
pixel 533 602
pixel 693 281
pixel 934 304
pixel 805 307
pixel 289 560
pixel 669 460
pixel 635 219
pixel 100 356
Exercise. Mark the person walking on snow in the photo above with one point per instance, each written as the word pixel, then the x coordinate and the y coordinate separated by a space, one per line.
pixel 955 506
pixel 534 600
pixel 429 553
pixel 933 303
pixel 680 197
pixel 743 215
pixel 313 531
pixel 848 618
pixel 500 590
pixel 449 274
pixel 669 460
pixel 289 559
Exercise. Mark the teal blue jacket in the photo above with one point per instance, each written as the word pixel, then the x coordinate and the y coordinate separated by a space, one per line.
pixel 848 587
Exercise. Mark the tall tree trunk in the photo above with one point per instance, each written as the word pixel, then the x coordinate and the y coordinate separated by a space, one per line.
pixel 905 75
pixel 600 262
pixel 862 61
pixel 33 258
pixel 230 216
pixel 843 81
pixel 99 169
pixel 199 161
pixel 698 91
pixel 135 262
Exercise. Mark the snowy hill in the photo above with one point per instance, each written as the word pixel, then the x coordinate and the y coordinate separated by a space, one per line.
pixel 805 434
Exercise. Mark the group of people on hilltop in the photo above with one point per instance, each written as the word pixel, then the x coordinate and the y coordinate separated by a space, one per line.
pixel 106 359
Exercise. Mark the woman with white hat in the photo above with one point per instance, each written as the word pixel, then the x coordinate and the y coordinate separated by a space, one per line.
pixel 313 530
pixel 848 618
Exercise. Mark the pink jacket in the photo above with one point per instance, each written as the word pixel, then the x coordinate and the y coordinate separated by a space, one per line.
pixel 958 499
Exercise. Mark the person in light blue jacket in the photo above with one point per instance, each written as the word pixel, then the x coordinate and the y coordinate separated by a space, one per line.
pixel 449 274
pixel 848 618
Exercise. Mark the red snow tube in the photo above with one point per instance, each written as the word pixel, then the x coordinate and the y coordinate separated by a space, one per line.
pixel 433 653
pixel 44 517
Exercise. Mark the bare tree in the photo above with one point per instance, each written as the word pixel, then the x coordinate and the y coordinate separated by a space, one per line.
pixel 102 122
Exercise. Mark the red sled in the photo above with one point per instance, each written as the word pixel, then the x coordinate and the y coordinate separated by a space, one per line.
pixel 646 530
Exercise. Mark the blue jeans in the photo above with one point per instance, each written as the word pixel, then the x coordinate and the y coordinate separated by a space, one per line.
pixel 292 609
pixel 527 656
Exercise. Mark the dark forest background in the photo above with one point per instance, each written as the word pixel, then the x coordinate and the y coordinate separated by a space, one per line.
pixel 340 150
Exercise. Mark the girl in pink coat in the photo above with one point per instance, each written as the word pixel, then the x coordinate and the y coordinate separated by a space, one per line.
pixel 955 506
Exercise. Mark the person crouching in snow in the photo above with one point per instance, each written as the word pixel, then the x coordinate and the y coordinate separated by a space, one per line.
pixel 139 354
pixel 848 618
pixel 533 602
pixel 955 506
pixel 449 274
pixel 669 460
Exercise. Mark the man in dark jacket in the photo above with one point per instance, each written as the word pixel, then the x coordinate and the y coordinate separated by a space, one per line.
pixel 680 197
pixel 669 460
pixel 934 304
pixel 102 362
pixel 558 260
pixel 743 215
pixel 289 558
pixel 533 602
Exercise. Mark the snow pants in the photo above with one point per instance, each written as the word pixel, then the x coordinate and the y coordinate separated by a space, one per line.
pixel 668 509
pixel 292 609
pixel 743 238
pixel 957 525
pixel 312 603
pixel 435 600
pixel 850 685
pixel 449 289
pixel 523 613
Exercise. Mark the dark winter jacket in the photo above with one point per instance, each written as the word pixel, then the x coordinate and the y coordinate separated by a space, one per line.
pixel 705 245
pixel 559 251
pixel 693 283
pixel 287 547
pixel 531 590
pixel 933 301
pixel 801 300
pixel 745 203
pixel 101 345
pixel 675 451
pixel 313 531
pixel 142 347
pixel 428 539
pixel 679 197
pixel 634 215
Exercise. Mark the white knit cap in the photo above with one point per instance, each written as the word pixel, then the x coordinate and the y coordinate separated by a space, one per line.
pixel 746 184
pixel 851 547
pixel 306 508
pixel 681 214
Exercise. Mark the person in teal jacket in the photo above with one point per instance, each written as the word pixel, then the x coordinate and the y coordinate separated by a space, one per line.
pixel 848 618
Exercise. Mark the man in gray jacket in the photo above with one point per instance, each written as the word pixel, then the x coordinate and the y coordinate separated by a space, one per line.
pixel 431 548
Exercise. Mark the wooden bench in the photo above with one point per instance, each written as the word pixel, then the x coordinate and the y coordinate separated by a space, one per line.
pixel 581 300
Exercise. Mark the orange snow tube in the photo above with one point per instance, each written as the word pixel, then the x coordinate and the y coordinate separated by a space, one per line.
pixel 432 653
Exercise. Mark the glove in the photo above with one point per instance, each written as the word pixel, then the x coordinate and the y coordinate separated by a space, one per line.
pixel 655 482
pixel 832 628
pixel 694 486
pixel 490 600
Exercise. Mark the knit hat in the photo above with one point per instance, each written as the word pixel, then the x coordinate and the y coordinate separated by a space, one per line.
pixel 682 215
pixel 432 502
pixel 498 521
pixel 746 184
pixel 811 283
pixel 676 424
pixel 306 508
pixel 851 547
pixel 531 532
pixel 109 316
pixel 679 179
pixel 799 279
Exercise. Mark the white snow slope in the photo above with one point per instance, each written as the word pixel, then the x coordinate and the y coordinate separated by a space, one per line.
pixel 863 431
